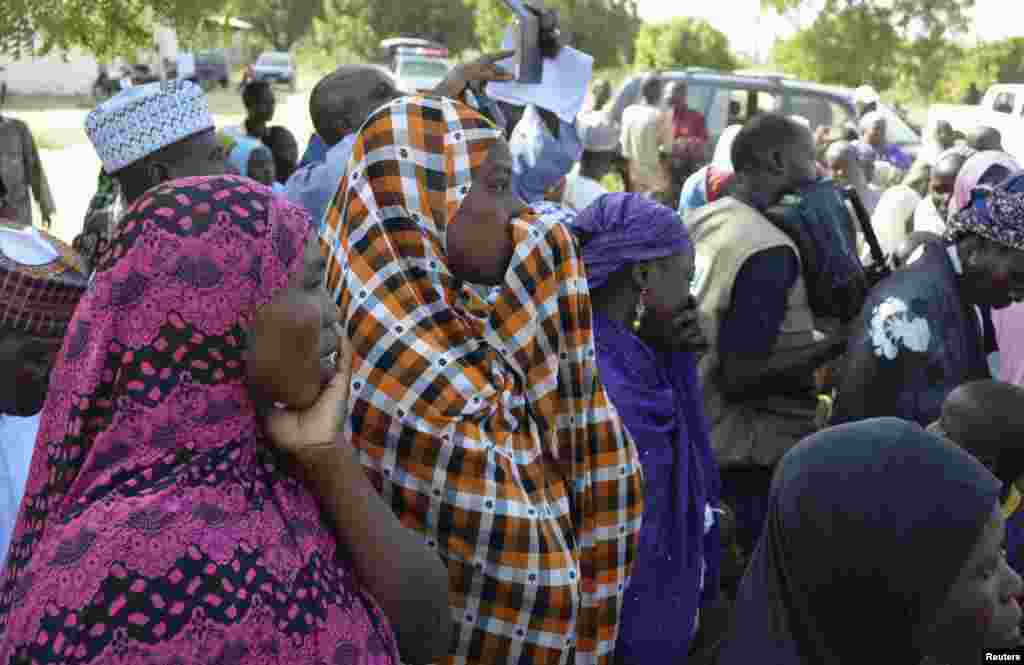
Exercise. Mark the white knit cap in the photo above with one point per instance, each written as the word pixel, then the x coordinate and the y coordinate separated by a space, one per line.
pixel 141 120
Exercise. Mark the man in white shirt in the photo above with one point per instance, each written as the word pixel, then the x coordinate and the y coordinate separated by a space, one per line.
pixel 41 282
pixel 600 139
pixel 641 141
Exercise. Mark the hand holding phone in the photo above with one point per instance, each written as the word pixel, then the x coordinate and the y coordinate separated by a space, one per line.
pixel 535 36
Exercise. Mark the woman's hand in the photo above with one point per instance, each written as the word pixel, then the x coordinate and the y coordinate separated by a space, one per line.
pixel 319 426
pixel 475 73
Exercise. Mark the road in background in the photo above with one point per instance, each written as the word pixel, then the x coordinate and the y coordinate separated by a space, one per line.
pixel 72 170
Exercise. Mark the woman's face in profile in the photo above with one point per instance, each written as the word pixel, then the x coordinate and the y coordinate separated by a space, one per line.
pixel 479 237
pixel 261 167
pixel 981 610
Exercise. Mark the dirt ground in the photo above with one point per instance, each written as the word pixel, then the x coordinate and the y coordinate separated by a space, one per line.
pixel 72 165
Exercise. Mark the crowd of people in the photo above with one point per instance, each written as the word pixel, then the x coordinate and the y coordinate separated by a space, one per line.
pixel 551 423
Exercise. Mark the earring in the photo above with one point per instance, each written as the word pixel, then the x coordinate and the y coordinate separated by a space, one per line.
pixel 641 309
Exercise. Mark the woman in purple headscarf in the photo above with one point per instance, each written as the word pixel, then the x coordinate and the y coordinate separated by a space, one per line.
pixel 639 262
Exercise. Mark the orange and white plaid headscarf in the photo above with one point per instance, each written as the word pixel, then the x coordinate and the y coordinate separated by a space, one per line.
pixel 482 421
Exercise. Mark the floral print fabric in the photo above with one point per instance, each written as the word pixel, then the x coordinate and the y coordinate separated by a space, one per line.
pixel 158 525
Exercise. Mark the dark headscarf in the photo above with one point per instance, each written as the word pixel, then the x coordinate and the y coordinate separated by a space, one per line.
pixel 659 398
pixel 995 213
pixel 868 527
pixel 620 229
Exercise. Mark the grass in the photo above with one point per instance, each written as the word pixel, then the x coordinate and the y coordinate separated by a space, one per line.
pixel 59 138
pixel 49 102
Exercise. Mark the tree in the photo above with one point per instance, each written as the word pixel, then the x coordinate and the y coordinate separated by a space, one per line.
pixel 281 23
pixel 588 23
pixel 343 31
pixel 983 65
pixel 683 42
pixel 927 30
pixel 107 28
pixel 832 49
pixel 449 22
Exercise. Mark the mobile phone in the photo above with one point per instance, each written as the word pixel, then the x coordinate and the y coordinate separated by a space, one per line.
pixel 528 61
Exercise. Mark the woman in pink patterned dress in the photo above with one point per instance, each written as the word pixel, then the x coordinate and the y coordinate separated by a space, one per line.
pixel 159 524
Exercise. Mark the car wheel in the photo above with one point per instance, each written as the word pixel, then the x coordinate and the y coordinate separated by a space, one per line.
pixel 224 83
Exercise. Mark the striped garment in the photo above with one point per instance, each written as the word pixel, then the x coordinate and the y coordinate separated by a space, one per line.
pixel 482 421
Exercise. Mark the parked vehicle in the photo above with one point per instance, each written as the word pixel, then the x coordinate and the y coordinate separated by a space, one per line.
pixel 727 99
pixel 211 67
pixel 1001 108
pixel 114 78
pixel 276 67
pixel 389 48
pixel 419 69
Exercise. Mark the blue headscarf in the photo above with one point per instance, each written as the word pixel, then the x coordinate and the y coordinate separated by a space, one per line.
pixel 659 397
pixel 316 151
pixel 539 160
pixel 242 150
pixel 869 525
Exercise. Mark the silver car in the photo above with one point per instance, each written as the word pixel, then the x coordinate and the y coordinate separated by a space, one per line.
pixel 276 67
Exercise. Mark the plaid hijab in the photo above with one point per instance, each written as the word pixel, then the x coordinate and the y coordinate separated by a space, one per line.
pixel 482 422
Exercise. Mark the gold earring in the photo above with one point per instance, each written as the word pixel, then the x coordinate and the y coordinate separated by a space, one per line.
pixel 641 309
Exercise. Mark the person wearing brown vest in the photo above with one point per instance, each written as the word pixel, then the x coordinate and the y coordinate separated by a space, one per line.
pixel 758 374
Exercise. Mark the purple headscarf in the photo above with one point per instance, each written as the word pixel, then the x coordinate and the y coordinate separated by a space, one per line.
pixel 973 171
pixel 659 398
pixel 619 229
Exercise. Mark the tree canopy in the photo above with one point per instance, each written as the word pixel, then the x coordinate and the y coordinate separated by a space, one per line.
pixel 107 28
pixel 683 42
pixel 832 49
pixel 280 23
pixel 880 42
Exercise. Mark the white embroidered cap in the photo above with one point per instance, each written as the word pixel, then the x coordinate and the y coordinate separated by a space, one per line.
pixel 141 120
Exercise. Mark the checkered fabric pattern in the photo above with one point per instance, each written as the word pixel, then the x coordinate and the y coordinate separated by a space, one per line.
pixel 482 421
pixel 144 119
pixel 40 300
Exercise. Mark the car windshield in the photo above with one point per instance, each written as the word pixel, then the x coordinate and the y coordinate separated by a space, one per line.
pixel 422 69
pixel 212 58
pixel 274 60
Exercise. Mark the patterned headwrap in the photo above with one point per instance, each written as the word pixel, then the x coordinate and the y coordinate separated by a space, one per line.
pixel 41 281
pixel 974 170
pixel 158 525
pixel 482 421
pixel 996 213
pixel 621 229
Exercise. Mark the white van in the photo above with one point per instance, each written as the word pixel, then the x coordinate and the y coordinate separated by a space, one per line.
pixel 420 69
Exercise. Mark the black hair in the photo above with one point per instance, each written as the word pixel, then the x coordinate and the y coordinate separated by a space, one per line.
pixel 328 104
pixel 282 142
pixel 651 90
pixel 994 175
pixel 596 159
pixel 252 91
pixel 765 132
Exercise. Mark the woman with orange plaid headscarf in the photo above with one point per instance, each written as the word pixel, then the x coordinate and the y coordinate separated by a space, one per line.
pixel 475 403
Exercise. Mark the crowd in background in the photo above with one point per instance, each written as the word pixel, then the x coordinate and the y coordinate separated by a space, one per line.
pixel 429 392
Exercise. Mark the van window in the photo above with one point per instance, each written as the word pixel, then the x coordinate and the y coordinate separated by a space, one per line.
pixel 820 111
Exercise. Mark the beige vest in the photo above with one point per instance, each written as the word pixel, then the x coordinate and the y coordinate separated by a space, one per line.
pixel 756 432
